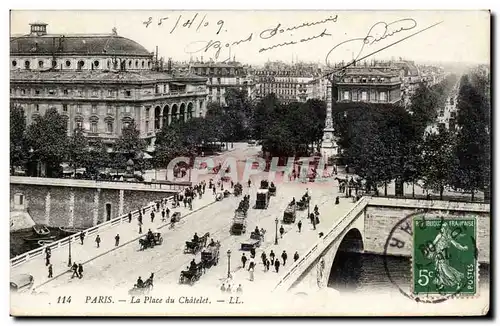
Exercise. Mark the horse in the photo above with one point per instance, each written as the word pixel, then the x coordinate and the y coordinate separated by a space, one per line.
pixel 145 244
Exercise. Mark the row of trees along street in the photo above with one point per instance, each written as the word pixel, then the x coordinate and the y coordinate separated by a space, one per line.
pixel 385 142
pixel 286 130
pixel 46 141
pixel 381 142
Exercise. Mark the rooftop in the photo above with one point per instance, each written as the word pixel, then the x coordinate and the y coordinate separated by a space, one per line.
pixel 147 76
pixel 82 44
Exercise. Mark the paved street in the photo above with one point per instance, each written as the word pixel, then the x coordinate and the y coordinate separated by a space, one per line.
pixel 120 268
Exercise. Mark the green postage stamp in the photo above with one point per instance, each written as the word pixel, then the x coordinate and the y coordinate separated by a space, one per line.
pixel 444 256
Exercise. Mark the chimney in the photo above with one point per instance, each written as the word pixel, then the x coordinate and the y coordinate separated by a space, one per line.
pixel 38 29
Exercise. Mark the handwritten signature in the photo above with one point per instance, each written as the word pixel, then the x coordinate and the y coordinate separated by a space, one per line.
pixel 378 32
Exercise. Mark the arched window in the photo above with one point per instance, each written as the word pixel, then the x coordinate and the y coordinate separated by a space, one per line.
pixel 96 63
pixel 143 64
pixel 137 63
pixel 130 63
pixel 40 64
pixel 14 63
pixel 27 64
pixel 68 63
pixel 81 64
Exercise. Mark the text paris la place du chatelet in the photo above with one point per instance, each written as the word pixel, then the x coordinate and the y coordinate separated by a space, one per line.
pixel 169 299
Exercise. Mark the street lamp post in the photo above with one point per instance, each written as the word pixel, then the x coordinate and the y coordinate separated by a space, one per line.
pixel 276 234
pixel 229 263
pixel 69 252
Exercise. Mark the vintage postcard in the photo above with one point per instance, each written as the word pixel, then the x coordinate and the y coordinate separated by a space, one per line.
pixel 250 163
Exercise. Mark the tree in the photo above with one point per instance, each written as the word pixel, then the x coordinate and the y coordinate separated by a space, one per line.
pixel 439 157
pixel 472 139
pixel 130 146
pixel 47 140
pixel 97 158
pixel 78 149
pixel 18 149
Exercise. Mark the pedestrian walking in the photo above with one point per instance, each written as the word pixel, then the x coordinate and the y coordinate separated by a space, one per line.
pixel 282 231
pixel 232 186
pixel 74 268
pixel 223 288
pixel 98 240
pixel 296 256
pixel 167 211
pixel 80 270
pixel 271 255
pixel 228 289
pixel 277 265
pixel 140 218
pixel 251 264
pixel 82 236
pixel 243 260
pixel 337 200
pixel 152 216
pixel 249 183
pixel 251 271
pixel 47 259
pixel 252 253
pixel 239 289
pixel 284 256
pixel 130 217
pixel 50 270
pixel 263 257
pixel 117 240
pixel 268 264
pixel 213 190
pixel 140 227
pixel 299 225
pixel 163 216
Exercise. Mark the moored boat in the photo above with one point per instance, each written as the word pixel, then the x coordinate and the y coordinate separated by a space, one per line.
pixel 70 230
pixel 41 229
pixel 42 243
pixel 47 238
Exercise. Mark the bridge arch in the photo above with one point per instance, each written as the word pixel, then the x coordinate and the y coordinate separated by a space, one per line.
pixel 345 268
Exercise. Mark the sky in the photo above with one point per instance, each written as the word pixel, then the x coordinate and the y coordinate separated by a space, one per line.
pixel 460 36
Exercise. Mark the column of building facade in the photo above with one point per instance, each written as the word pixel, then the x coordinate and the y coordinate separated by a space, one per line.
pixel 47 208
pixel 71 221
pixel 95 208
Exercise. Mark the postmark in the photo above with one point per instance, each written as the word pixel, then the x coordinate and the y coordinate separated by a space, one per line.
pixel 415 236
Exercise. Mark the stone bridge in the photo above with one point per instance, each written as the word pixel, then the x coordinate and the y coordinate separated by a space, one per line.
pixel 83 203
pixel 366 227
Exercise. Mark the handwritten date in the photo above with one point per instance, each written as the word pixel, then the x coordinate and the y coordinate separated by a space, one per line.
pixel 187 23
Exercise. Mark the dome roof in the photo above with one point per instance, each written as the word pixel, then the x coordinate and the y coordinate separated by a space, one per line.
pixel 98 44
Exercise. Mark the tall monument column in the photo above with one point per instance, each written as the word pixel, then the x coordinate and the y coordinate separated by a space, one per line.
pixel 329 145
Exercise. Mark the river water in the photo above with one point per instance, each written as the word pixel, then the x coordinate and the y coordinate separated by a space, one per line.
pixel 358 272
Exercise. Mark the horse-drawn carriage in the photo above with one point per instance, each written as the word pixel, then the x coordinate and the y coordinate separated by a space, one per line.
pixel 290 215
pixel 256 238
pixel 210 255
pixel 149 241
pixel 194 246
pixel 272 189
pixel 143 289
pixel 191 275
pixel 239 225
pixel 303 202
pixel 262 200
pixel 238 189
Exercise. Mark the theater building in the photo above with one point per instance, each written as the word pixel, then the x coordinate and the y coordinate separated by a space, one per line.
pixel 101 82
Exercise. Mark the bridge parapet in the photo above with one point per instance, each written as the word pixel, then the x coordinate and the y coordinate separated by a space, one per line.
pixel 313 254
pixel 431 204
pixel 99 184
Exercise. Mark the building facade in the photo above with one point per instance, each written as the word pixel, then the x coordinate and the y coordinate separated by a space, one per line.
pixel 100 82
pixel 369 84
pixel 220 77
